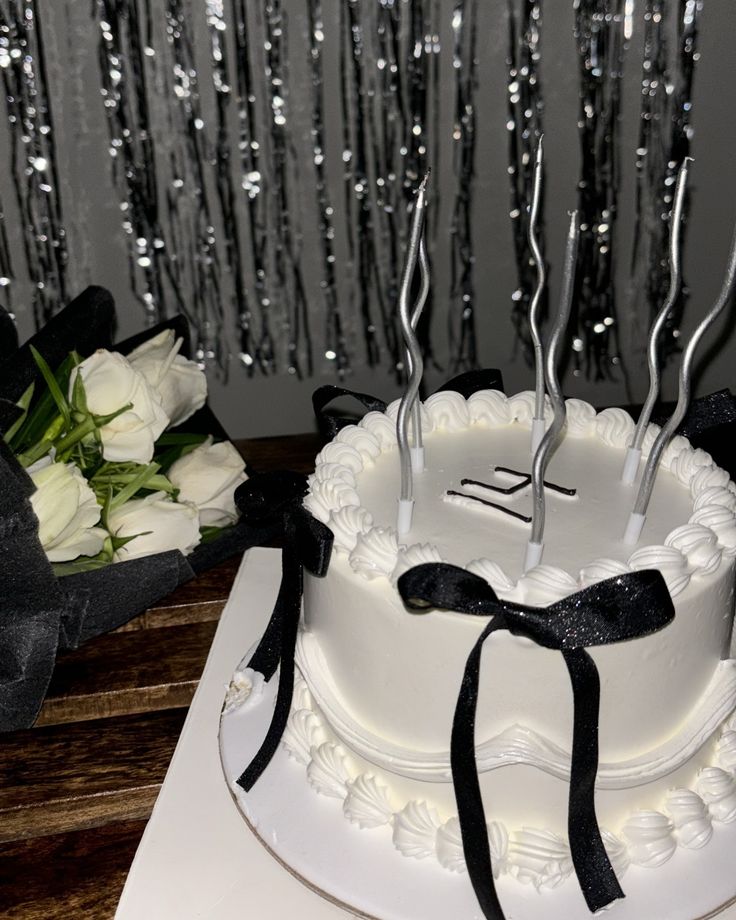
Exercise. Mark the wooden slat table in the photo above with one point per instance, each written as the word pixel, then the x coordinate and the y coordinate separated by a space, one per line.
pixel 76 790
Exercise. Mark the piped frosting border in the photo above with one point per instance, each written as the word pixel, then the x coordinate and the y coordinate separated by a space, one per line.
pixel 696 547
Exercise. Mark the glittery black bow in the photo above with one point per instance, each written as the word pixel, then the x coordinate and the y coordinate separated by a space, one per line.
pixel 625 607
pixel 273 502
pixel 330 422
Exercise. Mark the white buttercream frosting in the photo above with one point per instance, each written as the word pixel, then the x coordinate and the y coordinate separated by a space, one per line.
pixel 450 846
pixel 415 830
pixel 726 750
pixel 303 732
pixel 381 427
pixel 718 790
pixel 245 689
pixel 601 569
pixel 328 770
pixel 580 418
pixel 328 495
pixel 699 545
pixel 650 838
pixel 536 856
pixel 339 452
pixel 410 556
pixel 670 562
pixel 335 485
pixel 690 817
pixel 614 427
pixel 489 408
pixel 367 802
pixel 539 857
pixel 363 440
pixel 546 584
pixel 448 411
pixel 375 552
pixel 493 574
pixel 347 524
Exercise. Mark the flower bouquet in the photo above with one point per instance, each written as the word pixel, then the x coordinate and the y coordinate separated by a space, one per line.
pixel 118 485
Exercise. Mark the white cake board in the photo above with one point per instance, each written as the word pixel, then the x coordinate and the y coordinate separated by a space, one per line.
pixel 361 871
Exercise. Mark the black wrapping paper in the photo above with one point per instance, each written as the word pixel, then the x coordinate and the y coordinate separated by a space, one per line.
pixel 42 614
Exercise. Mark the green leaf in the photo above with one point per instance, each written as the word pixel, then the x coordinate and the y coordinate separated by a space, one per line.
pixel 180 437
pixel 137 482
pixel 61 401
pixel 82 564
pixel 23 403
pixel 208 534
pixel 42 414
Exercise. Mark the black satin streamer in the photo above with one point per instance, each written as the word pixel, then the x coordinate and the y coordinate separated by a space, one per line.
pixel 525 108
pixel 273 502
pixel 625 607
pixel 665 136
pixel 33 161
pixel 601 46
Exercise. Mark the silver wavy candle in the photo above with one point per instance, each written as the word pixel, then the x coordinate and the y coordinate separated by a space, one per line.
pixel 633 453
pixel 535 303
pixel 535 546
pixel 417 448
pixel 638 515
pixel 415 363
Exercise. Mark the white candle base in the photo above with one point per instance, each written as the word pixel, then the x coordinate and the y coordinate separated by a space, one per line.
pixel 533 555
pixel 405 515
pixel 538 427
pixel 417 459
pixel 631 465
pixel 634 528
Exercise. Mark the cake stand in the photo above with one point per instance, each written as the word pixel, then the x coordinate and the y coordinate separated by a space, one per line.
pixel 361 871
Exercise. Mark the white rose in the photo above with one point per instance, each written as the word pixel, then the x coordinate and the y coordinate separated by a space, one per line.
pixel 181 383
pixel 67 511
pixel 111 383
pixel 157 523
pixel 208 477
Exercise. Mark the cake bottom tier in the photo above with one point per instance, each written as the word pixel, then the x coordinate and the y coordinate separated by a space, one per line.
pixel 642 824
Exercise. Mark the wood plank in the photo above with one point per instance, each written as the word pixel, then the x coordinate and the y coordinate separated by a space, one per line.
pixel 79 775
pixel 290 452
pixel 75 875
pixel 121 673
pixel 198 600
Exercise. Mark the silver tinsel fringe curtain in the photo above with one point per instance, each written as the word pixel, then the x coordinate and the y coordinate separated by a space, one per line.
pixel 260 156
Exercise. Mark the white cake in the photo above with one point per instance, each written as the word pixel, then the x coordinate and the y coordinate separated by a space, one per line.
pixel 371 718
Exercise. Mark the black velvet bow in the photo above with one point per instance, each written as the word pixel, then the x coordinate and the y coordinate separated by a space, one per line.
pixel 625 607
pixel 330 422
pixel 274 502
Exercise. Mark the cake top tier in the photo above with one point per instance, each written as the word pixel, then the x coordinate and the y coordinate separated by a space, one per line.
pixel 690 525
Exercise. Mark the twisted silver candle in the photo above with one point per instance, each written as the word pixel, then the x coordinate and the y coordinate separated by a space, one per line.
pixel 538 420
pixel 638 515
pixel 543 455
pixel 417 449
pixel 633 454
pixel 415 364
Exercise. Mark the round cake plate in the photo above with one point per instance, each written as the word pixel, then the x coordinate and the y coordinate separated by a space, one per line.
pixel 361 871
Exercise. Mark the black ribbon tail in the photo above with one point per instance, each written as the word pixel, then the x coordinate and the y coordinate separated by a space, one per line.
pixel 277 647
pixel 593 868
pixel 473 830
